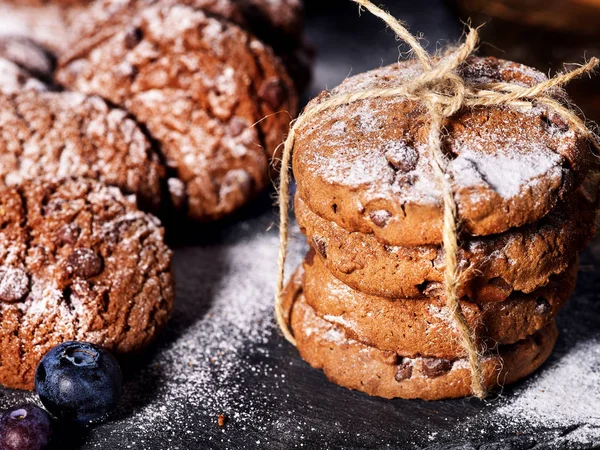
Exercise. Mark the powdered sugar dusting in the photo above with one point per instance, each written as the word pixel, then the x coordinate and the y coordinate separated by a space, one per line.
pixel 566 394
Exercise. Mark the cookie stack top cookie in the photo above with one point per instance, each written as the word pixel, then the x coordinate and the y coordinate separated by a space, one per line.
pixel 363 165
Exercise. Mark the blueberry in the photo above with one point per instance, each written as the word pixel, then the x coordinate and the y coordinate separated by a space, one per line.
pixel 25 427
pixel 79 382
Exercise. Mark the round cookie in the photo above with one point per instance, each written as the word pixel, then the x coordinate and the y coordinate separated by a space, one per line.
pixel 351 364
pixel 59 134
pixel 412 328
pixel 365 165
pixel 492 267
pixel 216 100
pixel 77 262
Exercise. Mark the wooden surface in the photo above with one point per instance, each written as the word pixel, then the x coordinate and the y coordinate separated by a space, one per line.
pixel 222 355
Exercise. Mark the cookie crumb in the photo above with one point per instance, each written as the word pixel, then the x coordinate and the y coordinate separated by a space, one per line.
pixel 222 420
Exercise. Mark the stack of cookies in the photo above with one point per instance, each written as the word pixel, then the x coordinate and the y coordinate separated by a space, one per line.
pixel 368 304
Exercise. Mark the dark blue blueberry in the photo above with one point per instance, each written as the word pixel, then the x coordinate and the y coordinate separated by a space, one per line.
pixel 79 382
pixel 25 427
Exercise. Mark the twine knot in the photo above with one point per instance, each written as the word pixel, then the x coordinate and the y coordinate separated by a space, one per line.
pixel 443 92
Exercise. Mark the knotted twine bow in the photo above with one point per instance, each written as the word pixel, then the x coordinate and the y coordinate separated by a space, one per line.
pixel 443 92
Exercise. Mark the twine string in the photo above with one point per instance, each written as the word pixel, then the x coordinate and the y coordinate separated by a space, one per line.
pixel 444 93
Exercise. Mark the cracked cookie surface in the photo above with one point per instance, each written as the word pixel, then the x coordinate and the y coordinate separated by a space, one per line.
pixel 216 99
pixel 77 262
pixel 365 166
pixel 57 134
pixel 492 267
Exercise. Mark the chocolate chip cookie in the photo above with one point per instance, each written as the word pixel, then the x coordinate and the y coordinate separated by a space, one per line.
pixel 414 327
pixel 354 365
pixel 365 165
pixel 492 267
pixel 216 99
pixel 79 262
pixel 59 134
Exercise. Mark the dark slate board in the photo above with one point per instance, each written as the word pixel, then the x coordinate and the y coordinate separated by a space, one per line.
pixel 222 355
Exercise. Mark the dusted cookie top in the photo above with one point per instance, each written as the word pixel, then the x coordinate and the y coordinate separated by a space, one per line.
pixel 365 165
pixel 24 65
pixel 60 134
pixel 198 84
pixel 77 262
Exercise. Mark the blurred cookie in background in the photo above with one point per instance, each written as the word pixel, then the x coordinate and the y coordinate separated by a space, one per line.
pixel 217 101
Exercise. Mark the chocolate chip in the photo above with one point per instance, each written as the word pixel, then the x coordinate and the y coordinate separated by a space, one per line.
pixel 68 234
pixel 403 371
pixel 435 367
pixel 14 284
pixel 380 217
pixel 542 306
pixel 320 245
pixel 133 37
pixel 402 157
pixel 84 263
pixel 273 92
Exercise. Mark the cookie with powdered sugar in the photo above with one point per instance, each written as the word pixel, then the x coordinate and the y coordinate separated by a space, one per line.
pixel 424 327
pixel 492 267
pixel 366 166
pixel 60 134
pixel 354 365
pixel 217 101
pixel 29 56
pixel 78 261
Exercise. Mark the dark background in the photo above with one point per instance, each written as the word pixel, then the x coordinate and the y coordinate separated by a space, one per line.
pixel 271 398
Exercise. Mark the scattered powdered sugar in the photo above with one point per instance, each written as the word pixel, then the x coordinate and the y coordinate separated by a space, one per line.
pixel 225 301
pixel 564 395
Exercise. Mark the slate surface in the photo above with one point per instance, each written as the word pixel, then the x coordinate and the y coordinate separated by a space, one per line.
pixel 272 399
